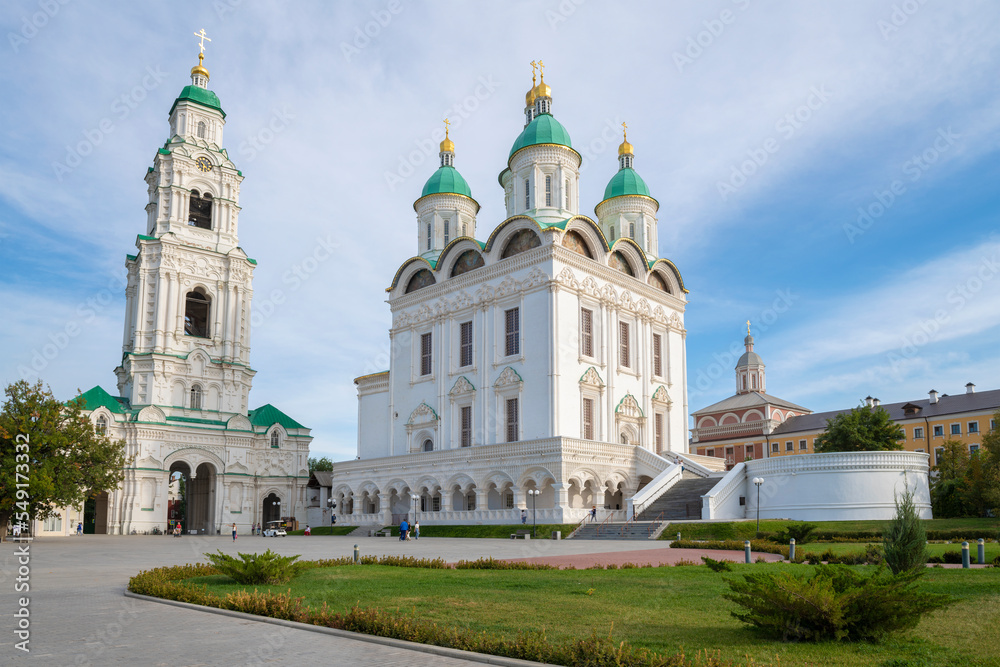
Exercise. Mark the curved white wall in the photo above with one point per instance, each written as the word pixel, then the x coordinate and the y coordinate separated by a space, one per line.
pixel 843 486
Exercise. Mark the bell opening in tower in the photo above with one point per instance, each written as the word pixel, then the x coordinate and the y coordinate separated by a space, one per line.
pixel 200 210
pixel 196 309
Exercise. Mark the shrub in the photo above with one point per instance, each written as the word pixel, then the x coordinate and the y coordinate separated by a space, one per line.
pixel 904 541
pixel 717 565
pixel 732 545
pixel 952 557
pixel 254 569
pixel 801 532
pixel 493 564
pixel 835 603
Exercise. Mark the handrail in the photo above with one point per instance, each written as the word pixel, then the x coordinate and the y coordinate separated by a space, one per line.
pixel 649 529
pixel 606 519
pixel 723 490
pixel 656 488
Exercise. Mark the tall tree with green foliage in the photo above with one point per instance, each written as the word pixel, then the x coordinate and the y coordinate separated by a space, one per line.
pixel 989 484
pixel 50 454
pixel 322 465
pixel 863 429
pixel 949 481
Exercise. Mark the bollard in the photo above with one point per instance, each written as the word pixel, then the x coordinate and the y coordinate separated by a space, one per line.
pixel 791 550
pixel 678 537
pixel 982 551
pixel 357 554
pixel 965 555
pixel 746 550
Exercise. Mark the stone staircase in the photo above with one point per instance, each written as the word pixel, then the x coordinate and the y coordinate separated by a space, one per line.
pixel 636 530
pixel 681 501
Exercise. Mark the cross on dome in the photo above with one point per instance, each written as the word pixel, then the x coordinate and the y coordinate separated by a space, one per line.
pixel 447 146
pixel 202 40
pixel 199 75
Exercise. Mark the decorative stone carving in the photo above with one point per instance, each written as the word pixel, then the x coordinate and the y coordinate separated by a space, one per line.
pixel 508 378
pixel 461 387
pixel 661 396
pixel 423 414
pixel 592 379
pixel 628 408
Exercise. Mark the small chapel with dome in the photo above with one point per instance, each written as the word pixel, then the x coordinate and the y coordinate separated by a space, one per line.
pixel 542 357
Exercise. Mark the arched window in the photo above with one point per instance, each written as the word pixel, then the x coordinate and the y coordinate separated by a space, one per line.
pixel 200 213
pixel 447 230
pixel 631 230
pixel 548 191
pixel 428 236
pixel 102 425
pixel 522 241
pixel 275 439
pixel 527 193
pixel 196 309
pixel 567 194
pixel 421 279
pixel 624 439
pixel 428 445
pixel 201 130
pixel 196 397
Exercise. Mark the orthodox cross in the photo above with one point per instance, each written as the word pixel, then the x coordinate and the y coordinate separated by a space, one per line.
pixel 203 39
pixel 534 65
pixel 625 131
pixel 447 124
pixel 541 70
pixel 748 327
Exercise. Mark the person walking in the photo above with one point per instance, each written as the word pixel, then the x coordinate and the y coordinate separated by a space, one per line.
pixel 234 532
pixel 524 517
pixel 404 529
pixel 593 513
pixel 79 528
pixel 416 529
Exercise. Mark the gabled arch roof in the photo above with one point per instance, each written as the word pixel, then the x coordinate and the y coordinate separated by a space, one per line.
pixel 402 267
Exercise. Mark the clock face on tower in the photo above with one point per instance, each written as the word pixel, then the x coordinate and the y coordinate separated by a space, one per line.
pixel 203 164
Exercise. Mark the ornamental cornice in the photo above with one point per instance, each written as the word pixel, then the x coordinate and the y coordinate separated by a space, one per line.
pixel 617 278
pixel 609 296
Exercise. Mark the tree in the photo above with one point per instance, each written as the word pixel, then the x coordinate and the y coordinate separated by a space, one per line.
pixel 989 456
pixel 323 465
pixel 949 481
pixel 53 448
pixel 904 541
pixel 863 429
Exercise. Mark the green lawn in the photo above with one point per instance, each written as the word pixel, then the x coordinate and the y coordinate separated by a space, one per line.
pixel 745 530
pixel 665 609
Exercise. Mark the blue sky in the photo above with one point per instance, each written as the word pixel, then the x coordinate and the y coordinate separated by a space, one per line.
pixel 828 171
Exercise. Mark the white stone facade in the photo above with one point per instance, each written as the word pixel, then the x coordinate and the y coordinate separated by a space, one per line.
pixel 185 374
pixel 542 359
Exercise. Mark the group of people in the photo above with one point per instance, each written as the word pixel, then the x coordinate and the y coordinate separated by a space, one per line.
pixel 405 529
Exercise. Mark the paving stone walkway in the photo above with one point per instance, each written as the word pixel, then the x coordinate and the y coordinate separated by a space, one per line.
pixel 79 615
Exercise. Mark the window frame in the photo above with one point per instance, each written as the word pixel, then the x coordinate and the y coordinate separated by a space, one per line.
pixel 586 332
pixel 918 432
pixel 587 429
pixel 465 431
pixel 465 347
pixel 512 331
pixel 657 354
pixel 972 428
pixel 955 429
pixel 938 430
pixel 426 354
pixel 624 344
pixel 196 397
pixel 512 419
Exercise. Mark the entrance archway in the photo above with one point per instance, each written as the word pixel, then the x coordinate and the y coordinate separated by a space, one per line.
pixel 95 514
pixel 271 508
pixel 196 495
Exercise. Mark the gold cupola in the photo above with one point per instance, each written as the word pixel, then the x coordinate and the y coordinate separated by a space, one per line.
pixel 199 69
pixel 626 147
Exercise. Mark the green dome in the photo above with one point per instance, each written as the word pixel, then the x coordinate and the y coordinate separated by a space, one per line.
pixel 202 96
pixel 446 180
pixel 543 130
pixel 626 182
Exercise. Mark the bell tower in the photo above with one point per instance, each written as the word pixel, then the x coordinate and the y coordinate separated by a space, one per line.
pixel 186 344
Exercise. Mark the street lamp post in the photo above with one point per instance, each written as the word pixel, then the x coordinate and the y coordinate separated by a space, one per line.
pixel 416 508
pixel 757 482
pixel 534 493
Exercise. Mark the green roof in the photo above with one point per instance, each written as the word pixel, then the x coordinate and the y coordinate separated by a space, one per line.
pixel 266 415
pixel 446 180
pixel 543 130
pixel 626 182
pixel 98 398
pixel 202 96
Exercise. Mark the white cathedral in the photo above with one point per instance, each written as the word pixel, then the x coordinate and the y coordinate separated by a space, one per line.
pixel 185 374
pixel 546 362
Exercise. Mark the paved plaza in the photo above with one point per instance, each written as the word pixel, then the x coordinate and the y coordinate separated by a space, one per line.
pixel 80 616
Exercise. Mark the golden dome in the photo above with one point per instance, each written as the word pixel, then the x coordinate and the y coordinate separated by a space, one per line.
pixel 626 147
pixel 529 98
pixel 199 68
pixel 542 89
pixel 447 146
